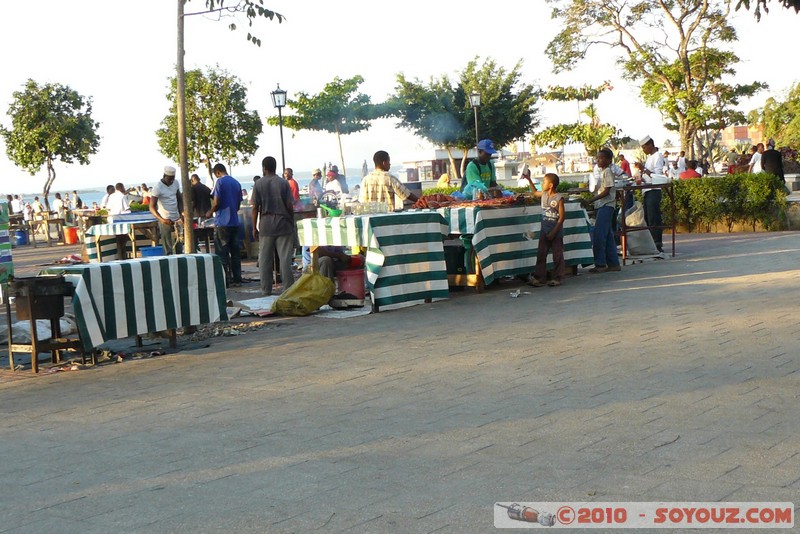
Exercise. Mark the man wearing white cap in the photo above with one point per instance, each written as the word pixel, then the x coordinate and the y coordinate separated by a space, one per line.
pixel 652 197
pixel 166 205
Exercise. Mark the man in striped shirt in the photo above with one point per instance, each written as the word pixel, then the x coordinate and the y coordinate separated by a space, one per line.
pixel 380 186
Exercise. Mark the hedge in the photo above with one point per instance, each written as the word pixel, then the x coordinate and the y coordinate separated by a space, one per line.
pixel 748 199
pixel 562 187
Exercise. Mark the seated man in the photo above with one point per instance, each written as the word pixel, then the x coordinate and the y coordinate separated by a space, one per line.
pixel 332 259
pixel 691 172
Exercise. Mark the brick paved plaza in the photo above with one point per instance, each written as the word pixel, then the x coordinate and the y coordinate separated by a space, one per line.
pixel 673 380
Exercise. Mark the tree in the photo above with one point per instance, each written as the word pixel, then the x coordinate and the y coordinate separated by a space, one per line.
pixel 338 109
pixel 762 4
pixel 49 122
pixel 219 126
pixel 440 112
pixel 780 119
pixel 665 45
pixel 252 10
pixel 508 106
pixel 593 134
pixel 430 112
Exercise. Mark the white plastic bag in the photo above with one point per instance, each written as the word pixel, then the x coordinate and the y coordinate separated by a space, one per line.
pixel 640 242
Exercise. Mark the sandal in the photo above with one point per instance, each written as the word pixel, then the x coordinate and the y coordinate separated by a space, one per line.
pixel 536 283
pixel 553 283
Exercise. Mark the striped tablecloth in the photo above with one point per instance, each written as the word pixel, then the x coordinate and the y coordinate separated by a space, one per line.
pixel 405 256
pixel 103 237
pixel 125 298
pixel 506 239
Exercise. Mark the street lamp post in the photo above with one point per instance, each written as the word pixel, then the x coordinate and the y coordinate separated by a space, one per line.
pixel 279 100
pixel 475 101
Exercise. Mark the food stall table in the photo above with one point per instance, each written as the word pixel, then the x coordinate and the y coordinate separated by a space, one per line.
pixel 405 256
pixel 506 240
pixel 102 238
pixel 119 299
pixel 624 229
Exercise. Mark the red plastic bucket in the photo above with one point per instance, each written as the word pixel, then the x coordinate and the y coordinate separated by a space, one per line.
pixel 70 235
pixel 351 281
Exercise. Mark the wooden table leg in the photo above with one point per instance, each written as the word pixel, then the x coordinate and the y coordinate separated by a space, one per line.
pixel 173 338
pixel 10 335
pixel 34 337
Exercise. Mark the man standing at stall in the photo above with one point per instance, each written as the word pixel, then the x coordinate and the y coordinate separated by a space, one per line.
pixel 225 207
pixel 201 196
pixel 341 178
pixel 380 186
pixel 166 204
pixel 275 230
pixel 480 172
pixel 652 197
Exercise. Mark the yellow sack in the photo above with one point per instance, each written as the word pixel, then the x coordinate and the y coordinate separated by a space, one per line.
pixel 307 295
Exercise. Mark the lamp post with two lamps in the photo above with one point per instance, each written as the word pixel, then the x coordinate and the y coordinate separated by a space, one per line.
pixel 279 100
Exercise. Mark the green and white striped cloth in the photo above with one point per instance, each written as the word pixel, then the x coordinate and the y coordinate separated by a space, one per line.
pixel 506 239
pixel 108 242
pixel 124 298
pixel 405 256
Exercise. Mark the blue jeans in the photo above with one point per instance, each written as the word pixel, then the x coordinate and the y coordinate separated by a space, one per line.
pixel 226 245
pixel 604 246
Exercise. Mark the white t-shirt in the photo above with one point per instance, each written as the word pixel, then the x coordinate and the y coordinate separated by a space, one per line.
pixel 58 207
pixel 16 206
pixel 167 196
pixel 117 203
pixel 681 164
pixel 333 185
pixel 755 161
pixel 654 163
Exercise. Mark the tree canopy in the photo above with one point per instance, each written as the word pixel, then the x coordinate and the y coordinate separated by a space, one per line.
pixel 667 46
pixel 780 118
pixel 252 10
pixel 339 108
pixel 49 122
pixel 763 4
pixel 440 111
pixel 219 127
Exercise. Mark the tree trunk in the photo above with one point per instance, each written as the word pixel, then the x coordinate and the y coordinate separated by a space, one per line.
pixel 188 209
pixel 51 177
pixel 686 132
pixel 341 153
pixel 465 154
pixel 210 174
pixel 453 169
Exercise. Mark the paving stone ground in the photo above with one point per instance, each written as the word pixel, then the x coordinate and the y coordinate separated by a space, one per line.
pixel 674 380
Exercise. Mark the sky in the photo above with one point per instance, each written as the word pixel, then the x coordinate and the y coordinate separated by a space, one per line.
pixel 122 54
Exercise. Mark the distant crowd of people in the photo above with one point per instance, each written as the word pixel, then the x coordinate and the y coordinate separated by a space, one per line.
pixel 61 208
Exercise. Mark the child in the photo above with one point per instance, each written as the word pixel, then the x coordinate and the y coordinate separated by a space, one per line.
pixel 604 199
pixel 551 234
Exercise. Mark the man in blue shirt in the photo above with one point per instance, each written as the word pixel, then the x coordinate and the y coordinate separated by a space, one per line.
pixel 227 197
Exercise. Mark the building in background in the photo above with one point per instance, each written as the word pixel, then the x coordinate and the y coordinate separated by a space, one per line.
pixel 734 135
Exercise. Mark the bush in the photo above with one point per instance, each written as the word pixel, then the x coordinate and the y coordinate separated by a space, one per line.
pixel 738 198
pixel 562 187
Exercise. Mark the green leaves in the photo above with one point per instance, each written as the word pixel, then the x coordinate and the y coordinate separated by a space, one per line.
pixel 338 108
pixel 508 109
pixel 740 198
pixel 219 127
pixel 49 122
pixel 781 118
pixel 669 46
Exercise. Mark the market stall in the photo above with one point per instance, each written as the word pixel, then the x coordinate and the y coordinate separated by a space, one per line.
pixel 120 299
pixel 101 239
pixel 405 257
pixel 505 239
